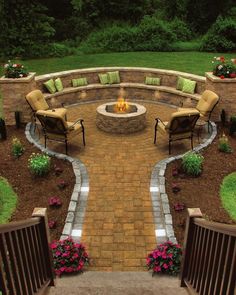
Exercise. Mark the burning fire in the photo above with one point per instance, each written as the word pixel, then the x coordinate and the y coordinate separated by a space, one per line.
pixel 121 105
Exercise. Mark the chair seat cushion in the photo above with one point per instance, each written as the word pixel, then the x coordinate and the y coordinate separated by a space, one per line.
pixel 59 111
pixel 161 127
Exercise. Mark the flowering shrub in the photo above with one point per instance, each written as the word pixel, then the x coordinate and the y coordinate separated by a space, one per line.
pixel 175 188
pixel 54 201
pixel 223 68
pixel 13 70
pixel 68 256
pixel 179 207
pixel 57 170
pixel 62 184
pixel 165 259
pixel 192 163
pixel 17 147
pixel 52 224
pixel 39 164
pixel 224 145
pixel 175 172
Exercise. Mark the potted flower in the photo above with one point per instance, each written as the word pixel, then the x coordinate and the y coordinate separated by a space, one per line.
pixel 223 68
pixel 15 70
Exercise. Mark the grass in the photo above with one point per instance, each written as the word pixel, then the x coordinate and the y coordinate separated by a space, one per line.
pixel 228 194
pixel 8 200
pixel 191 62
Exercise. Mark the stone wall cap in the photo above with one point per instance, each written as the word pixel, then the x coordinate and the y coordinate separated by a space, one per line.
pixel 27 79
pixel 124 69
pixel 216 79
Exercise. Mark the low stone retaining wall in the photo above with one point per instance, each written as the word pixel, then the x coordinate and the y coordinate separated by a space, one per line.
pixel 132 87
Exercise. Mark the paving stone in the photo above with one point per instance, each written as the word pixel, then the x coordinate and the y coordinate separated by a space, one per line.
pixel 75 196
pixel 164 198
pixel 72 206
pixel 168 219
pixel 166 208
pixel 67 229
pixel 70 217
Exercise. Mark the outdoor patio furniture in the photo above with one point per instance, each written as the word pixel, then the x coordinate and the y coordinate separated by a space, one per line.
pixel 37 102
pixel 56 128
pixel 205 106
pixel 180 126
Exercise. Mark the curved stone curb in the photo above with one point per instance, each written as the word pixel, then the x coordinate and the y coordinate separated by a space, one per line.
pixel 161 208
pixel 77 207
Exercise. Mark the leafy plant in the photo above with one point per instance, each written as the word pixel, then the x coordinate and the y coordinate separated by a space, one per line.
pixel 223 68
pixel 175 188
pixel 62 184
pixel 68 256
pixel 39 164
pixel 192 163
pixel 54 201
pixel 52 224
pixel 14 70
pixel 224 145
pixel 165 259
pixel 179 207
pixel 17 147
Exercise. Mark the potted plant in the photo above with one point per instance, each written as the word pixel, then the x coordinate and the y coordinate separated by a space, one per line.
pixel 224 68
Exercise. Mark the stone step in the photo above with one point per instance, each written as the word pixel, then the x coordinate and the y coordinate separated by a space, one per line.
pixel 115 283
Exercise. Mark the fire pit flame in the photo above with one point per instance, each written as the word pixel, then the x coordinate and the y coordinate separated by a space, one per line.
pixel 121 105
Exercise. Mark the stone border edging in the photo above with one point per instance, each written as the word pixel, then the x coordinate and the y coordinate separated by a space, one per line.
pixel 161 208
pixel 80 193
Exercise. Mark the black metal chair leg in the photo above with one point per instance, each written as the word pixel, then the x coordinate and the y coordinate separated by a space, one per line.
pixel 192 142
pixel 66 147
pixel 169 147
pixel 155 132
pixel 83 138
pixel 45 141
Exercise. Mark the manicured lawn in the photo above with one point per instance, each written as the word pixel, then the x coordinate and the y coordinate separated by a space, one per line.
pixel 191 62
pixel 8 200
pixel 228 194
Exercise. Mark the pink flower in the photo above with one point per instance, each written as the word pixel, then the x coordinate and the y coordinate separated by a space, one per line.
pixel 222 77
pixel 165 266
pixel 53 245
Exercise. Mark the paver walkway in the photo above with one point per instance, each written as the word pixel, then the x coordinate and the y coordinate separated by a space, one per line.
pixel 118 228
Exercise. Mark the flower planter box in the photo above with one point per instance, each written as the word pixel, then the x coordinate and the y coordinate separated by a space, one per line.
pixel 13 91
pixel 226 89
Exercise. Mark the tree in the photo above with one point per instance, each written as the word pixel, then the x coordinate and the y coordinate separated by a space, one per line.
pixel 24 26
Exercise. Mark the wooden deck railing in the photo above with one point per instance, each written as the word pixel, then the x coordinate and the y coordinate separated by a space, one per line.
pixel 25 259
pixel 209 262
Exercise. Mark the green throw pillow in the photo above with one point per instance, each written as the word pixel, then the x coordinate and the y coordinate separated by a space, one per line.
pixel 153 81
pixel 79 82
pixel 180 83
pixel 103 78
pixel 189 86
pixel 58 84
pixel 113 77
pixel 50 85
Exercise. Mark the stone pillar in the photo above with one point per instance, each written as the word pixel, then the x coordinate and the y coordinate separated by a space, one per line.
pixel 13 92
pixel 226 89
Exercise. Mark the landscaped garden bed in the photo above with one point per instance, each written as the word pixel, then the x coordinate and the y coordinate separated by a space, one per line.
pixel 36 191
pixel 202 191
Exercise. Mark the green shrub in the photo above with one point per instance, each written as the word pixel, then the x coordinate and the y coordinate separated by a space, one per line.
pixel 181 30
pixel 193 45
pixel 39 164
pixel 154 35
pixel 221 36
pixel 224 145
pixel 150 35
pixel 110 39
pixel 192 163
pixel 227 194
pixel 17 147
pixel 48 50
pixel 8 200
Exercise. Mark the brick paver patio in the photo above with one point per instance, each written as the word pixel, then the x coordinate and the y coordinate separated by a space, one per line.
pixel 118 228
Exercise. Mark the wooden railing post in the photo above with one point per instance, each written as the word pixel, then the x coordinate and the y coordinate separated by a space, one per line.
pixel 188 238
pixel 42 213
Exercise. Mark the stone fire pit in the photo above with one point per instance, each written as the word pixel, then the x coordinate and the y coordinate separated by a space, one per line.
pixel 125 122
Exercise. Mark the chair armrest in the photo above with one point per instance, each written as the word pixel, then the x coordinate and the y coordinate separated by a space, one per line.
pixel 76 122
pixel 158 119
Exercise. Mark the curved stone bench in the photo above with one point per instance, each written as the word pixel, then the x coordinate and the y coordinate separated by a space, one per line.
pixel 132 86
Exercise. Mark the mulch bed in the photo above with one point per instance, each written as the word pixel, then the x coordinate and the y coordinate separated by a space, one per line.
pixel 203 191
pixel 35 191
